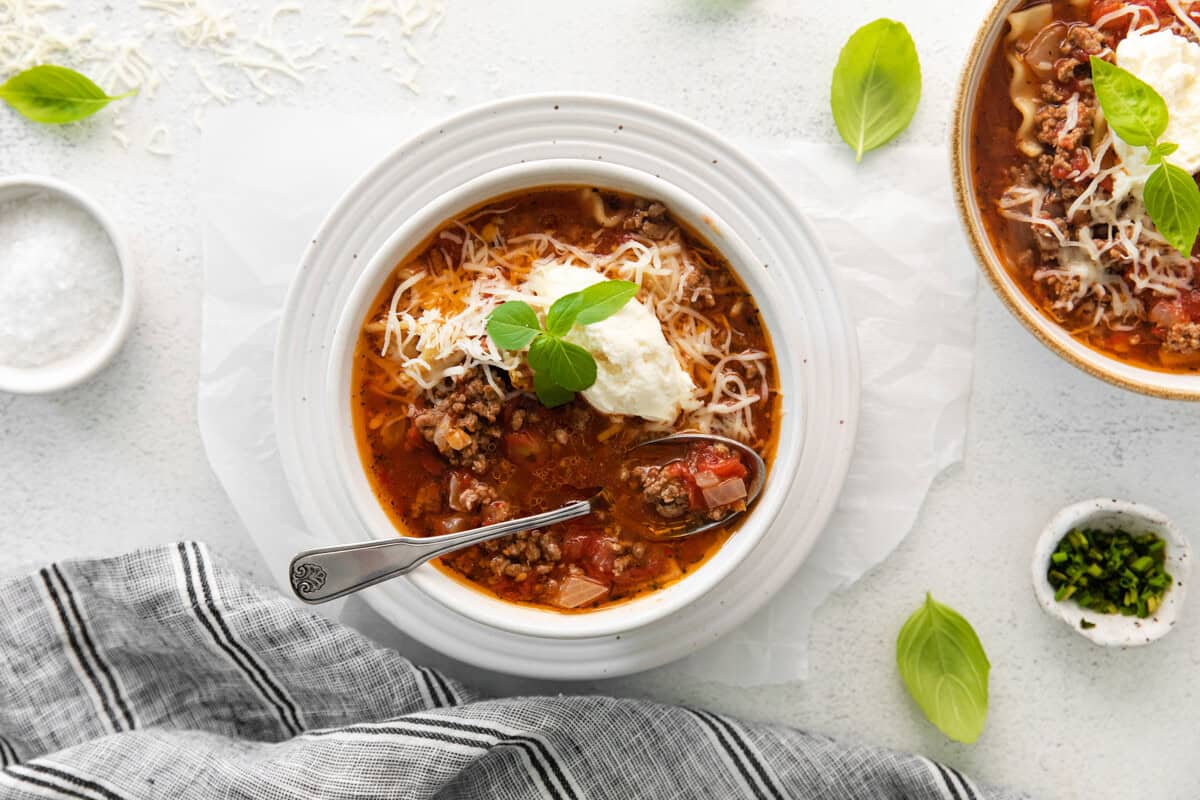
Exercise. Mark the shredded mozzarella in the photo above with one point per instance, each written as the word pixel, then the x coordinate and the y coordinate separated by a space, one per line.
pixel 435 328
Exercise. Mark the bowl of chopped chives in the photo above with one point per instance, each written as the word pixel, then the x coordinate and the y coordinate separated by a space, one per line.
pixel 1112 570
pixel 67 292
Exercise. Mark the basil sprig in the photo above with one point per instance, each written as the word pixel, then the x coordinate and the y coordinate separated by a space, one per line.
pixel 876 85
pixel 560 368
pixel 55 95
pixel 945 669
pixel 1139 115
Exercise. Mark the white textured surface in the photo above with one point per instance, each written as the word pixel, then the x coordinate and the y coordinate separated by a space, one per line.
pixel 118 463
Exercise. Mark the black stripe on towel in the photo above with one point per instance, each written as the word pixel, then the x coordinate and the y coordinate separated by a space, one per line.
pixel 542 757
pixel 75 780
pixel 949 783
pixel 966 785
pixel 101 664
pixel 60 791
pixel 723 740
pixel 236 654
pixel 89 673
pixel 749 751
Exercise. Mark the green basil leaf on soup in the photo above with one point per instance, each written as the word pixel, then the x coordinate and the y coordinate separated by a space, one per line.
pixel 945 669
pixel 549 393
pixel 1160 151
pixel 513 325
pixel 566 364
pixel 562 314
pixel 876 85
pixel 1134 111
pixel 601 300
pixel 55 95
pixel 1173 201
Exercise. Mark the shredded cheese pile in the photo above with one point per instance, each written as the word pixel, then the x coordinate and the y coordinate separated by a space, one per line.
pixel 435 326
pixel 228 54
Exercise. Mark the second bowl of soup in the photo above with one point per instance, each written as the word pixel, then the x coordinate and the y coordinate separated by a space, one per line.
pixel 1054 200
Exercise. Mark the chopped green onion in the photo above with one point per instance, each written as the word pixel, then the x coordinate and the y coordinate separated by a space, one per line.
pixel 1110 572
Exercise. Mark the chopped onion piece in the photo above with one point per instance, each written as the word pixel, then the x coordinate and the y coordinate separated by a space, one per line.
pixel 1045 49
pixel 454 491
pixel 706 480
pixel 725 492
pixel 576 590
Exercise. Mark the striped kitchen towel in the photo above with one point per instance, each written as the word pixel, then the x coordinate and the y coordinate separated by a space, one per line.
pixel 162 674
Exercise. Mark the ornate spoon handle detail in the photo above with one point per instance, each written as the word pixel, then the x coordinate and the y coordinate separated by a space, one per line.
pixel 328 573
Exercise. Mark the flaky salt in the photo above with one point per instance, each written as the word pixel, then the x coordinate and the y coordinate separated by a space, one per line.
pixel 60 280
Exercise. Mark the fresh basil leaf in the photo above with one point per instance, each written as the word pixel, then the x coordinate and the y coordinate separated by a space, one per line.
pixel 55 95
pixel 876 85
pixel 1134 111
pixel 945 669
pixel 566 364
pixel 513 325
pixel 1173 202
pixel 562 314
pixel 1160 151
pixel 549 393
pixel 601 300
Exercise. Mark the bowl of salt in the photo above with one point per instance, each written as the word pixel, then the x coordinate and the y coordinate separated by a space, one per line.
pixel 67 292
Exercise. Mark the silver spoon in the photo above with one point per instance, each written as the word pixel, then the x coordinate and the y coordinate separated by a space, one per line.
pixel 327 573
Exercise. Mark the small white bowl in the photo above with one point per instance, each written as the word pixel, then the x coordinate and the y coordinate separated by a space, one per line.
pixel 78 367
pixel 644 609
pixel 1114 630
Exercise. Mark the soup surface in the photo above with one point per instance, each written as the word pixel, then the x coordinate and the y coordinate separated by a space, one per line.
pixel 1062 194
pixel 453 435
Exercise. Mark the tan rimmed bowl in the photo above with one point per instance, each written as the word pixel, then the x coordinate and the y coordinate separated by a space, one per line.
pixel 1170 385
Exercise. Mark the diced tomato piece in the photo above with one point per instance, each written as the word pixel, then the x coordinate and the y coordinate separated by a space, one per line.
pixel 588 548
pixel 1100 8
pixel 525 447
pixel 720 464
pixel 651 567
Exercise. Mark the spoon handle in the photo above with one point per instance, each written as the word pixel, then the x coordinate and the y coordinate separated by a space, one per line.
pixel 328 573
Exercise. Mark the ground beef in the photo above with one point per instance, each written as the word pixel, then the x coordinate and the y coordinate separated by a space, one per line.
pixel 1067 69
pixel 472 497
pixel 1183 337
pixel 1052 92
pixel 461 422
pixel 649 219
pixel 668 495
pixel 522 554
pixel 697 289
pixel 1086 40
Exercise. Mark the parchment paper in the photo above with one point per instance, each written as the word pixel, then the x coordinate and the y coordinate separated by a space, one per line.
pixel 889 224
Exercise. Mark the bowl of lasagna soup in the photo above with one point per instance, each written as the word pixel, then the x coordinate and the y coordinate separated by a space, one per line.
pixel 444 429
pixel 1054 200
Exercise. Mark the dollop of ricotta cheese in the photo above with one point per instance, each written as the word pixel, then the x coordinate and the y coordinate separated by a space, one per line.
pixel 637 373
pixel 1171 65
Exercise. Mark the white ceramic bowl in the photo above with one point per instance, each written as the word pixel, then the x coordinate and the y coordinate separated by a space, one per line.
pixel 815 336
pixel 79 367
pixel 484 607
pixel 1114 630
pixel 1130 376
